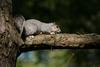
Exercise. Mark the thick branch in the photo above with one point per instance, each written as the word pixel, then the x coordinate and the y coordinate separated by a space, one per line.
pixel 63 41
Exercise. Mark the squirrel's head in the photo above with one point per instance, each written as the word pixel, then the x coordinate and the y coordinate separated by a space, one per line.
pixel 54 28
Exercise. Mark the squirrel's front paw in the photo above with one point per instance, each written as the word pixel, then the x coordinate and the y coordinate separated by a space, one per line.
pixel 52 32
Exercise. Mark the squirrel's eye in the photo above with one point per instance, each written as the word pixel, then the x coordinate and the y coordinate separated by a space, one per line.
pixel 57 26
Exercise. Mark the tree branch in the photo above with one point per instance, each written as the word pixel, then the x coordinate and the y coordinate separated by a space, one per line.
pixel 62 41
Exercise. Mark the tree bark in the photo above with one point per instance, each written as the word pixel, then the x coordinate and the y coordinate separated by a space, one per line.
pixel 9 38
pixel 11 43
pixel 62 41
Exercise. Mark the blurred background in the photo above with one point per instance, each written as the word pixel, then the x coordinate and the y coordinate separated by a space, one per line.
pixel 73 16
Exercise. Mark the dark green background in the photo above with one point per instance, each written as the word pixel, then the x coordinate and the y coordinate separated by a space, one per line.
pixel 73 16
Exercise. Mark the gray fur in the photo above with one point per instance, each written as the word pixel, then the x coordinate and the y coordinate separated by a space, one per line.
pixel 30 28
pixel 33 26
pixel 19 23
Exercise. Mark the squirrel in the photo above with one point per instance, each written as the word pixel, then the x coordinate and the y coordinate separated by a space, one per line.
pixel 33 26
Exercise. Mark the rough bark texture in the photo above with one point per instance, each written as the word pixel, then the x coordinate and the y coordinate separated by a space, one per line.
pixel 11 43
pixel 63 41
pixel 9 38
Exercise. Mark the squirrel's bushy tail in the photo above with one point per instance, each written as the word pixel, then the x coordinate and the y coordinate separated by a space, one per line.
pixel 19 18
pixel 19 23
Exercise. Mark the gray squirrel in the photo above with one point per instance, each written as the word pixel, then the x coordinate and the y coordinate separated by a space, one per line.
pixel 33 26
